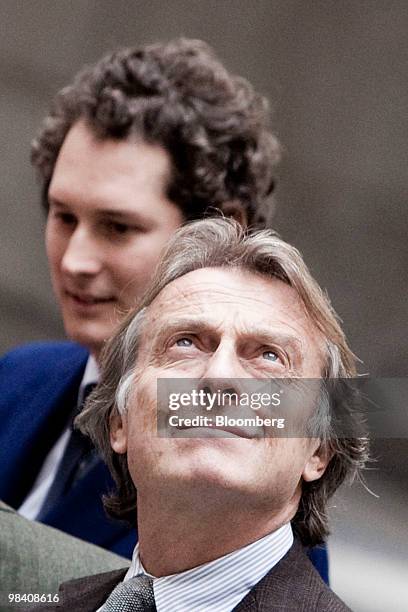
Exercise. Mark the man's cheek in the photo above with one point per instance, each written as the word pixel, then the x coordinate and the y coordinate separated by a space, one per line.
pixel 144 410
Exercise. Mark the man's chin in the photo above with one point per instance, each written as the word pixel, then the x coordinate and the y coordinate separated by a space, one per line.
pixel 214 483
pixel 90 336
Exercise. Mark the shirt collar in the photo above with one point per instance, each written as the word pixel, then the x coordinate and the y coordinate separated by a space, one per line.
pixel 91 376
pixel 217 586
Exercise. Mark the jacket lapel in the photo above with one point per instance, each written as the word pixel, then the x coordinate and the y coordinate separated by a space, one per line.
pixel 88 594
pixel 84 500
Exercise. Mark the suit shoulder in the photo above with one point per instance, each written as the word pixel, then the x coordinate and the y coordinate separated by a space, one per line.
pixel 292 584
pixel 328 600
pixel 45 350
pixel 43 355
pixel 315 590
pixel 320 596
pixel 29 541
pixel 39 368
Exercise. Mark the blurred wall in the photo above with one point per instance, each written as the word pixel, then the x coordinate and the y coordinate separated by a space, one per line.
pixel 335 73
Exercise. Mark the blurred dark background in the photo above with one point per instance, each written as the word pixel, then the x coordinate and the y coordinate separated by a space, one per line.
pixel 336 76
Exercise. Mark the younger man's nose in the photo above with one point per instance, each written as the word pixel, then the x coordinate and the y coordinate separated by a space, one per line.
pixel 82 255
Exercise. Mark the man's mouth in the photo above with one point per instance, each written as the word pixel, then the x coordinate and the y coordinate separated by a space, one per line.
pixel 219 431
pixel 86 299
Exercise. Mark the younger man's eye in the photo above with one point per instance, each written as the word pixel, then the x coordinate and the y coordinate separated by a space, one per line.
pixel 65 218
pixel 119 228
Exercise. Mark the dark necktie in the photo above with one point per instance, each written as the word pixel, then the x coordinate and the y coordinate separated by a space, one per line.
pixel 135 595
pixel 78 451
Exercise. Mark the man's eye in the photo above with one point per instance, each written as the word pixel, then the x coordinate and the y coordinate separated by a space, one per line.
pixel 65 218
pixel 270 356
pixel 184 342
pixel 118 228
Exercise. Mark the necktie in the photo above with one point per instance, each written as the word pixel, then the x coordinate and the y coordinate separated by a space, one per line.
pixel 135 595
pixel 77 452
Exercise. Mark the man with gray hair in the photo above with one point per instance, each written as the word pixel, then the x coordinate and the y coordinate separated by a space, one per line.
pixel 223 514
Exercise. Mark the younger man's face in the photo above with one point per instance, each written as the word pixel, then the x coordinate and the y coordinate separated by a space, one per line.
pixel 108 221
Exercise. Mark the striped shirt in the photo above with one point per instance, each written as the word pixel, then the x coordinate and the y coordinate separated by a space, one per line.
pixel 217 586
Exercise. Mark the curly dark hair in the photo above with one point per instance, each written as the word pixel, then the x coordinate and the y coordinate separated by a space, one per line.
pixel 178 95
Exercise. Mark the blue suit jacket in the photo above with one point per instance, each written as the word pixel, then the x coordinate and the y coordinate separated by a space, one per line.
pixel 39 386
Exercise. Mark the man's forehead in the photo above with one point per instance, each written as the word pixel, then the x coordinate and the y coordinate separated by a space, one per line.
pixel 228 289
pixel 241 307
pixel 110 158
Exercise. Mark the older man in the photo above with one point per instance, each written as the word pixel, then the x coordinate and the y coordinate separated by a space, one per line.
pixel 142 141
pixel 217 509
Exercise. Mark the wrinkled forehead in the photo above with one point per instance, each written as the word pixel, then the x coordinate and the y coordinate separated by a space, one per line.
pixel 230 297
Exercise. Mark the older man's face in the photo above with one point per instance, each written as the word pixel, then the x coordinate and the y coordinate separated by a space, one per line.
pixel 218 323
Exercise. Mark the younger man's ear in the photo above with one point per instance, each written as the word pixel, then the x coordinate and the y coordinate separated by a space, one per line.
pixel 235 210
pixel 118 433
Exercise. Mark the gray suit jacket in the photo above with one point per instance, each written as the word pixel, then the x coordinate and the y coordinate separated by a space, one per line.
pixel 293 585
pixel 35 558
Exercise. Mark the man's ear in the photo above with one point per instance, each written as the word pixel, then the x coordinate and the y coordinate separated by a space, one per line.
pixel 235 210
pixel 118 433
pixel 316 465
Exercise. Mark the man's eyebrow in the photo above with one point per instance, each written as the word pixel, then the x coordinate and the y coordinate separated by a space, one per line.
pixel 56 202
pixel 195 325
pixel 124 216
pixel 120 214
pixel 187 324
pixel 274 336
pixel 130 215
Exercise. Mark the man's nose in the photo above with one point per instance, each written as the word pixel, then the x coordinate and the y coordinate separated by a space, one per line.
pixel 224 370
pixel 83 255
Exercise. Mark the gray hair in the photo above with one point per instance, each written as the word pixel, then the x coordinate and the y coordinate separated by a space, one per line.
pixel 224 243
